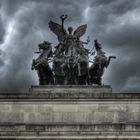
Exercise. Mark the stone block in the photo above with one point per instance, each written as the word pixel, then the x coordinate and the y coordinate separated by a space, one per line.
pixel 39 118
pixel 103 117
pixel 11 117
pixel 5 107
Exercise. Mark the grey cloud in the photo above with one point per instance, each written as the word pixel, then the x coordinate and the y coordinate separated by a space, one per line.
pixel 2 30
pixel 27 18
pixel 30 18
pixel 11 7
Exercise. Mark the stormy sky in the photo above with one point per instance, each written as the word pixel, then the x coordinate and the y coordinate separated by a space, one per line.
pixel 24 24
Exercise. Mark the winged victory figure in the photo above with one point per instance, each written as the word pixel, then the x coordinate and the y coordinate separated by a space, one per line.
pixel 71 58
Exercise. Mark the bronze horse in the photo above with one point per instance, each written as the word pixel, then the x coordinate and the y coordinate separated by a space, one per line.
pixel 101 61
pixel 40 64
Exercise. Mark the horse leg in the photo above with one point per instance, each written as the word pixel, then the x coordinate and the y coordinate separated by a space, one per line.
pixel 40 76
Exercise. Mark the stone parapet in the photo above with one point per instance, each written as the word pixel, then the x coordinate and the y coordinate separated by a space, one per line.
pixel 69 113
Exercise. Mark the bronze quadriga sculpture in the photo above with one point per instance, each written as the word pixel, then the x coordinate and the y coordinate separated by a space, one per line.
pixel 70 60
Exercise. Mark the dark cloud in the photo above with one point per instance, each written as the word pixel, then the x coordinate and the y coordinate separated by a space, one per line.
pixel 2 31
pixel 24 24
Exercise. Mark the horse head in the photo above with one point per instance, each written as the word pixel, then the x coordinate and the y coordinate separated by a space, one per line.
pixel 46 46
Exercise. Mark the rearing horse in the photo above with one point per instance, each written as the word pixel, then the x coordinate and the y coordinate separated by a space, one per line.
pixel 40 64
pixel 101 61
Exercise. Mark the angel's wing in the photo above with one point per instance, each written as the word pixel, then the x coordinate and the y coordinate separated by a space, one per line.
pixel 80 31
pixel 57 30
